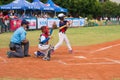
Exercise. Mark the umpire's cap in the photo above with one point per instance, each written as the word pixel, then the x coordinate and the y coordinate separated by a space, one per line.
pixel 24 22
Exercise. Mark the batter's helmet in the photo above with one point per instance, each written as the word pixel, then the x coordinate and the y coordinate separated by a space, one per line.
pixel 61 15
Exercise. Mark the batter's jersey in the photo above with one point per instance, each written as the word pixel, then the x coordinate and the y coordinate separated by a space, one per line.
pixel 62 23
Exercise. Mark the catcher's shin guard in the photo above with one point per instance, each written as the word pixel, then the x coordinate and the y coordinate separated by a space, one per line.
pixel 38 53
pixel 48 55
pixel 50 52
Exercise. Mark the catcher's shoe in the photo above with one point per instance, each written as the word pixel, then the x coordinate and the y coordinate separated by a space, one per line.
pixel 46 58
pixel 35 53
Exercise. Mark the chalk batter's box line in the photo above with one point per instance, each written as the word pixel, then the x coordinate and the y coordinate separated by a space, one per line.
pixel 98 50
pixel 111 62
pixel 3 60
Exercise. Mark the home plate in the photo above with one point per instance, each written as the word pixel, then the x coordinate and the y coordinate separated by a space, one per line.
pixel 81 57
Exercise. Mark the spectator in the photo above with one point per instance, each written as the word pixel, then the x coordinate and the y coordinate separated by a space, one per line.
pixel 2 25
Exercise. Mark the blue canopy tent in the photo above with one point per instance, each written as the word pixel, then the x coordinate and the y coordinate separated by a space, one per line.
pixel 41 6
pixel 17 4
pixel 56 7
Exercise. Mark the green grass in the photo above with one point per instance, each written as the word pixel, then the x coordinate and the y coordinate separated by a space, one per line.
pixel 81 36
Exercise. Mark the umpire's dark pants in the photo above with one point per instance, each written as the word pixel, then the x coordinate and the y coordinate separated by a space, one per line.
pixel 20 50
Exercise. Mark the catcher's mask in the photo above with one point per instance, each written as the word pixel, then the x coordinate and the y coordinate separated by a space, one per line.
pixel 45 30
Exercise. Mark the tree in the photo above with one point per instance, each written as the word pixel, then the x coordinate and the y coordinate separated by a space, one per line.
pixel 85 8
pixel 110 8
pixel 6 1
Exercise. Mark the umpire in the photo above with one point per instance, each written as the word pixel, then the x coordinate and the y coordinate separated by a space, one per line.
pixel 19 45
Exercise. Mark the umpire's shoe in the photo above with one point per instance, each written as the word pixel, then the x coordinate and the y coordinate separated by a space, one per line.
pixel 27 55
pixel 9 54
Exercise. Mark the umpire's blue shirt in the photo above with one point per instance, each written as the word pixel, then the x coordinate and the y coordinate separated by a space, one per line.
pixel 19 35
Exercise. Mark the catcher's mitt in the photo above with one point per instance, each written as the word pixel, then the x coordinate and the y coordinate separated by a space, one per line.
pixel 54 26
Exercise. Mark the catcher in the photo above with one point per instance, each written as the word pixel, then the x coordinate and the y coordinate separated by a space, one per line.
pixel 44 49
pixel 18 40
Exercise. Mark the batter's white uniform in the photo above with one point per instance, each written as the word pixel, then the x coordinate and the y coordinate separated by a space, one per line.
pixel 63 37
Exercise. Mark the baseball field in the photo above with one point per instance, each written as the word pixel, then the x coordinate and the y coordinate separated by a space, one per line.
pixel 96 56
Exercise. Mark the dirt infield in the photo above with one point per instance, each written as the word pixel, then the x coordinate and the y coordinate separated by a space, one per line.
pixel 96 62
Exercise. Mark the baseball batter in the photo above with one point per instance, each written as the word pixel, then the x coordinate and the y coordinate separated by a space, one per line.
pixel 63 26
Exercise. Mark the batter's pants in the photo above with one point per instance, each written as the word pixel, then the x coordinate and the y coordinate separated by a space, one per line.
pixel 62 37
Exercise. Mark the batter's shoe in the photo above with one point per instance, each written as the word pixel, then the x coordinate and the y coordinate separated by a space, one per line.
pixel 70 51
